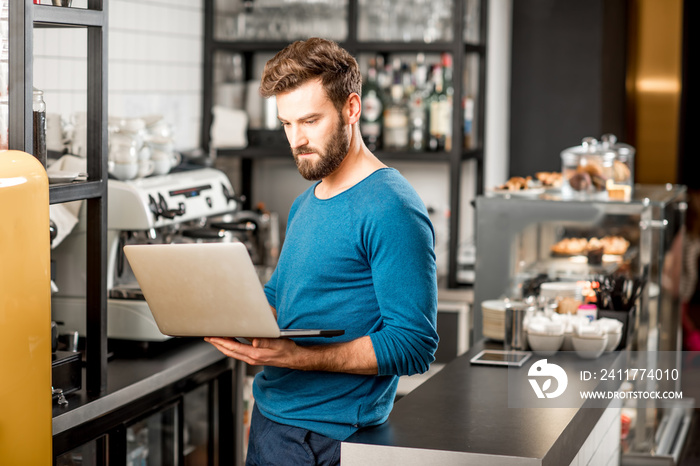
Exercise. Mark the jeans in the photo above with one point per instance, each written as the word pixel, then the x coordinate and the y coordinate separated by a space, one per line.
pixel 271 443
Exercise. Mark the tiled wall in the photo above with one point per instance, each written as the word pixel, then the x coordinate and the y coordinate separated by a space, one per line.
pixel 155 64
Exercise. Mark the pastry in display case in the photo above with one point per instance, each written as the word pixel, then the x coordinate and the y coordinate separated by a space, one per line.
pixel 549 179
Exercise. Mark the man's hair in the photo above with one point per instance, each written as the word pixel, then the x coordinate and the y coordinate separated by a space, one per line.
pixel 306 60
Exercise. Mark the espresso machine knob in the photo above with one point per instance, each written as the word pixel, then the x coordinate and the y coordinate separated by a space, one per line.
pixel 169 213
pixel 239 200
pixel 155 208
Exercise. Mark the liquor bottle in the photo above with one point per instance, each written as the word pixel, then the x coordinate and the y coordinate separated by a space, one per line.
pixel 440 106
pixel 420 75
pixel 384 75
pixel 418 116
pixel 468 119
pixel 448 102
pixel 372 109
pixel 396 115
pixel 437 124
pixel 407 81
pixel 417 122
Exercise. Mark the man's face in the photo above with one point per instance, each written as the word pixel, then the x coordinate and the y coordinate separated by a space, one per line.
pixel 316 132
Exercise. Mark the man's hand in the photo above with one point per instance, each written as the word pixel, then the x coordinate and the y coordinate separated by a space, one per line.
pixel 355 357
pixel 279 352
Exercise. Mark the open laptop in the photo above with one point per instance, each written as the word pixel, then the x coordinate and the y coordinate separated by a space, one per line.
pixel 207 290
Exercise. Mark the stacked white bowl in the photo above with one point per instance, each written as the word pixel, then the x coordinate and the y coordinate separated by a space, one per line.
pixel 570 322
pixel 566 332
pixel 613 329
pixel 589 340
pixel 545 336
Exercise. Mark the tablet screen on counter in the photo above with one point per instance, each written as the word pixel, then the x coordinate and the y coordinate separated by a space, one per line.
pixel 501 358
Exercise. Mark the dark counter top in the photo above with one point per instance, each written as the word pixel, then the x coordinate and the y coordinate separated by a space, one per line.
pixel 461 414
pixel 132 377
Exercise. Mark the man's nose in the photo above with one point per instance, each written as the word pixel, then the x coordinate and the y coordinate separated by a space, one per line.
pixel 296 137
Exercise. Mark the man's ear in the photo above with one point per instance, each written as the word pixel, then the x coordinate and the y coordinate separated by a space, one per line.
pixel 352 109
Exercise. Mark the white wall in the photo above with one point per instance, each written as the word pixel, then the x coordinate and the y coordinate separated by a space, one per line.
pixel 155 64
pixel 497 130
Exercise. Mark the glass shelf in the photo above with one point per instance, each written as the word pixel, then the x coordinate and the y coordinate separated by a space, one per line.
pixel 424 21
pixel 277 20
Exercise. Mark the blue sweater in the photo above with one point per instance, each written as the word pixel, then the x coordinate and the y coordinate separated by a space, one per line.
pixel 362 261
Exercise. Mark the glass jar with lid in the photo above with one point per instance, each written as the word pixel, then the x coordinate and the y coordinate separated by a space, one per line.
pixel 597 169
pixel 39 111
pixel 623 167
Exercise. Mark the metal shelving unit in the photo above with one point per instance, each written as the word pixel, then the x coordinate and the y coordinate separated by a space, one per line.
pixel 24 17
pixel 455 157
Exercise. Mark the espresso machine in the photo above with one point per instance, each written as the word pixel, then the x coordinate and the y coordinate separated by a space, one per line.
pixel 177 207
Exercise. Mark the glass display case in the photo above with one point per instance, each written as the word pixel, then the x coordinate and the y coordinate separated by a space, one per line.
pixel 88 454
pixel 196 438
pixel 154 440
pixel 521 237
pixel 527 239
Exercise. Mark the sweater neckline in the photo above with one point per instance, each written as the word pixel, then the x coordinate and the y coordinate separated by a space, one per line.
pixel 351 188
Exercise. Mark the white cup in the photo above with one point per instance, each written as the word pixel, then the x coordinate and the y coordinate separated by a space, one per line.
pixel 79 140
pixel 145 168
pixel 254 105
pixel 54 132
pixel 159 128
pixel 144 154
pixel 164 161
pixel 161 167
pixel 124 171
pixel 131 125
pixel 123 152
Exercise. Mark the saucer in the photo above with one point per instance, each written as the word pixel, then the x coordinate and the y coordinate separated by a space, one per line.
pixel 62 176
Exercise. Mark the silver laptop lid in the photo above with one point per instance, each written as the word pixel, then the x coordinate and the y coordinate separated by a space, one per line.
pixel 202 289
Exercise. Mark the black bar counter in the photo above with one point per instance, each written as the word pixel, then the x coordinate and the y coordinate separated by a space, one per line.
pixel 461 416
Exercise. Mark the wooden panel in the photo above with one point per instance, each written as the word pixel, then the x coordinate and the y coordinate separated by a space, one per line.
pixel 653 87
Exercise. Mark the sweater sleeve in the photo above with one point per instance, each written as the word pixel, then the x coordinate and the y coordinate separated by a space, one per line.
pixel 400 248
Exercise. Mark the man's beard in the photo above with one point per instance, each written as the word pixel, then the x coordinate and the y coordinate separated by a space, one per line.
pixel 328 160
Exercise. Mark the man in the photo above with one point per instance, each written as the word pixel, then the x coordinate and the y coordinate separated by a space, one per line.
pixel 358 255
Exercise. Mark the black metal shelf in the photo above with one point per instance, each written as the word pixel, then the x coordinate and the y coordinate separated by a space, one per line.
pixel 353 46
pixel 75 191
pixel 56 16
pixel 24 17
pixel 282 152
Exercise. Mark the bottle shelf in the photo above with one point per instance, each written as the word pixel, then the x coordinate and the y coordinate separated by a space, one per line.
pixel 279 152
pixel 244 46
pixel 468 57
